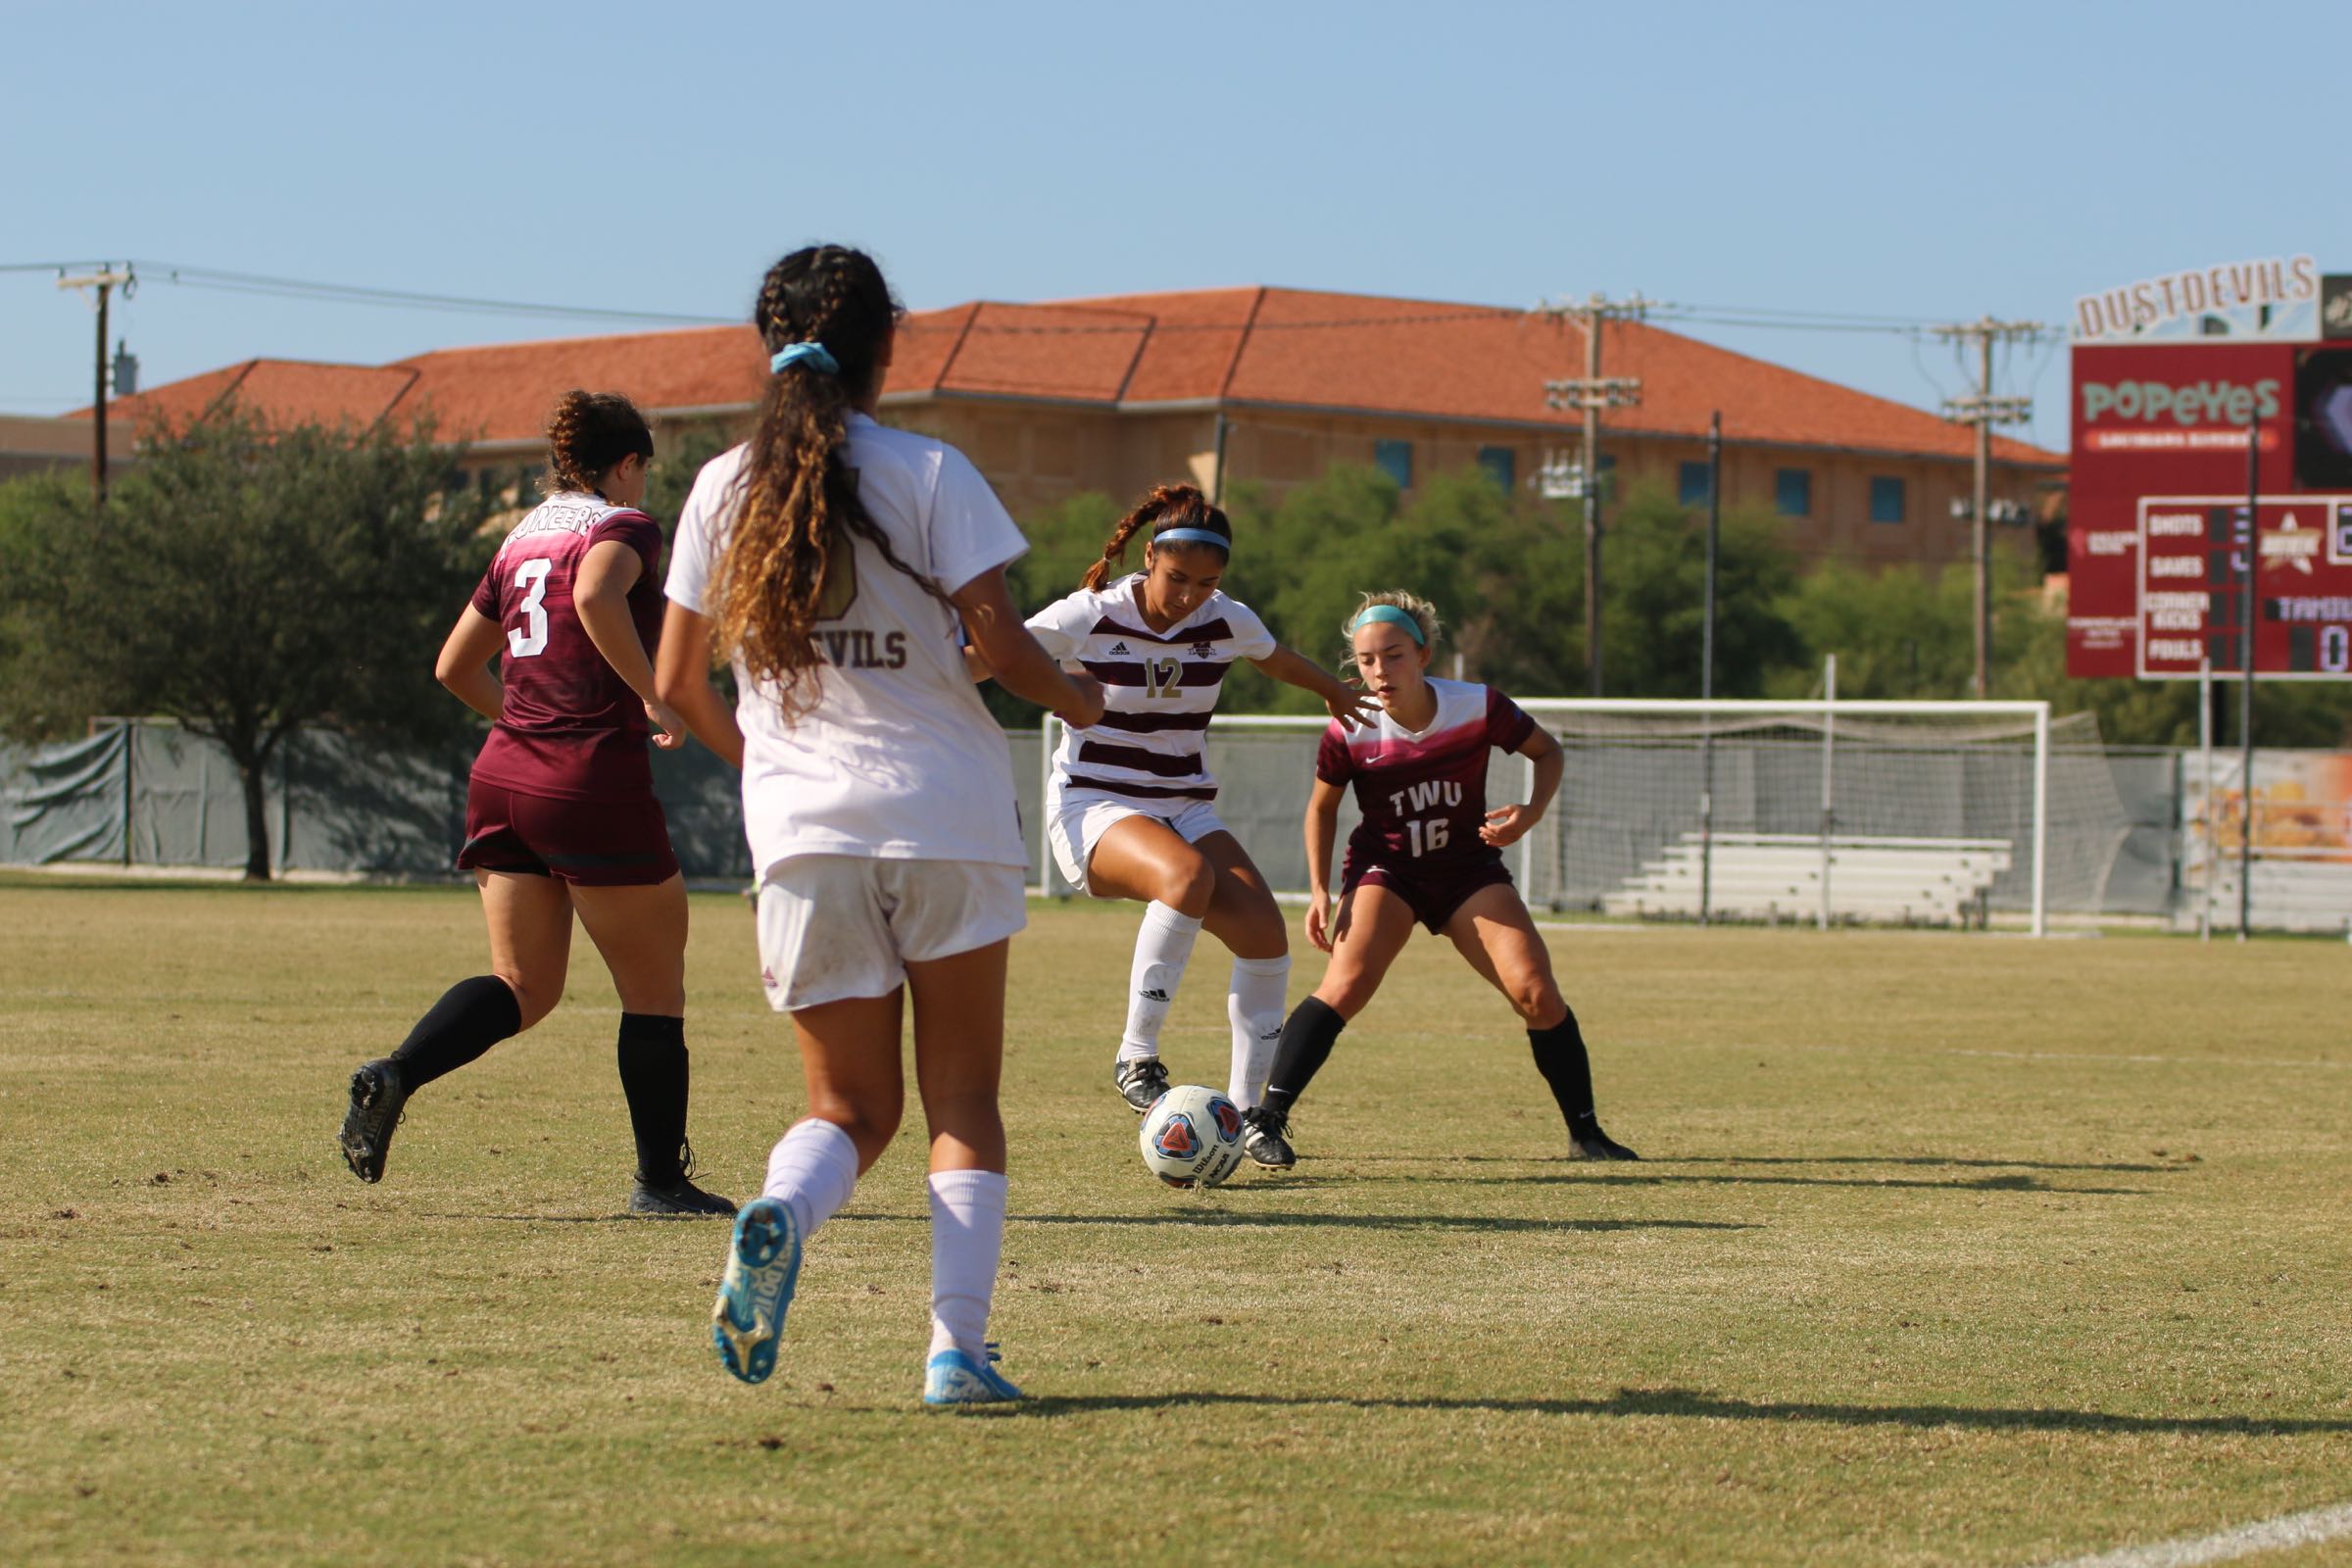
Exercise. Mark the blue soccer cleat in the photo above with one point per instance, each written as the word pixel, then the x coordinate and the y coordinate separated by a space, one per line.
pixel 954 1378
pixel 763 1264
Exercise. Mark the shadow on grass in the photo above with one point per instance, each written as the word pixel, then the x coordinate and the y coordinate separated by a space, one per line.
pixel 1624 1176
pixel 1932 1160
pixel 1936 1160
pixel 1688 1404
pixel 1382 1222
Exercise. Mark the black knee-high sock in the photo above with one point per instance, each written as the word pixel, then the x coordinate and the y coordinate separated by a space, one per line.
pixel 1307 1037
pixel 470 1017
pixel 1561 1057
pixel 653 1074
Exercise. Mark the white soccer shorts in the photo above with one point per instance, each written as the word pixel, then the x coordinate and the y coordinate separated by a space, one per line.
pixel 836 926
pixel 1080 818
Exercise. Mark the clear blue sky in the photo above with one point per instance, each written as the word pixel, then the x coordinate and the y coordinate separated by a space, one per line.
pixel 1927 163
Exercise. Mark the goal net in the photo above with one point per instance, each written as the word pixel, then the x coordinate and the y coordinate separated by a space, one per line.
pixel 1817 810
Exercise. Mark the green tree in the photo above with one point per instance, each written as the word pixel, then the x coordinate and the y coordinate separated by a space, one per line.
pixel 246 580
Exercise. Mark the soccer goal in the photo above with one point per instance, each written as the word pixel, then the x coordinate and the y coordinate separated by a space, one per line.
pixel 1818 811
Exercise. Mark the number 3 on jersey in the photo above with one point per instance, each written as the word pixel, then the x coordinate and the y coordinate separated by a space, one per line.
pixel 523 643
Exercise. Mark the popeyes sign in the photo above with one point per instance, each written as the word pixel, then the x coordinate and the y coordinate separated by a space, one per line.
pixel 2273 298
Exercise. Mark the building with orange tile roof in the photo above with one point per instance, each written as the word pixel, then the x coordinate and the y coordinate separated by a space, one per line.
pixel 1266 385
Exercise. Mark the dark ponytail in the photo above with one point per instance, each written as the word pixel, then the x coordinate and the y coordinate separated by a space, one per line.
pixel 1171 506
pixel 786 560
pixel 587 432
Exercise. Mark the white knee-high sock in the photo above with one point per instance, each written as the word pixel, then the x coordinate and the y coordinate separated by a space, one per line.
pixel 1253 1006
pixel 967 1234
pixel 1161 947
pixel 813 1170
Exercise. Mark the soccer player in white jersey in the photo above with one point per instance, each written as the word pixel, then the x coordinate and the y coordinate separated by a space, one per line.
pixel 1427 851
pixel 841 564
pixel 1130 812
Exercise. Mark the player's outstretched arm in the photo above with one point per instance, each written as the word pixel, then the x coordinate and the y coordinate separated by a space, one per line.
pixel 682 680
pixel 1507 824
pixel 1350 707
pixel 465 662
pixel 599 597
pixel 1018 661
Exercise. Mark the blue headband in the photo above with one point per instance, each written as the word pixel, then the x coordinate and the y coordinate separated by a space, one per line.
pixel 814 355
pixel 1390 614
pixel 1192 536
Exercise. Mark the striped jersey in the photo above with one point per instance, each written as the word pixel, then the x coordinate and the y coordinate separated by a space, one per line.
pixel 1159 689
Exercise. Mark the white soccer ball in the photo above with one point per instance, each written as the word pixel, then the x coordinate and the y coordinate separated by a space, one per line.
pixel 1191 1137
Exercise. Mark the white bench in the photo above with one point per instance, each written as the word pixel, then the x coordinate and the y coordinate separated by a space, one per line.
pixel 2289 895
pixel 1776 876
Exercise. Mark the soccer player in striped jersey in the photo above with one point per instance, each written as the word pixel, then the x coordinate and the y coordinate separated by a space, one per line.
pixel 1427 851
pixel 1130 812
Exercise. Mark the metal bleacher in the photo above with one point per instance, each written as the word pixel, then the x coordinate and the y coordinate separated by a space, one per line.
pixel 1779 876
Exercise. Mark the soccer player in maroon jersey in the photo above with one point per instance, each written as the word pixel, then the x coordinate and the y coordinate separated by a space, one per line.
pixel 560 814
pixel 1427 850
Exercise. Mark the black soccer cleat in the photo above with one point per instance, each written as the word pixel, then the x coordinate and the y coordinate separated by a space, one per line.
pixel 677 1197
pixel 1266 1137
pixel 1585 1140
pixel 1140 1082
pixel 377 1096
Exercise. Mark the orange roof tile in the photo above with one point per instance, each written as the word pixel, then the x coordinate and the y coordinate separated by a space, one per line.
pixel 1261 347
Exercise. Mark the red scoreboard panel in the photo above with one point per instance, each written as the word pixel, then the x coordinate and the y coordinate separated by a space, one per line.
pixel 2192 566
pixel 2156 546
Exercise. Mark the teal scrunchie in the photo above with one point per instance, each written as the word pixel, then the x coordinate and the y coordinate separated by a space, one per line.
pixel 1392 614
pixel 814 355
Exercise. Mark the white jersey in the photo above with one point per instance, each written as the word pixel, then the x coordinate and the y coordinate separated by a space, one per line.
pixel 1159 689
pixel 897 757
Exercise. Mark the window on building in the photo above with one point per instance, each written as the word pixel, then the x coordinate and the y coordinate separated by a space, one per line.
pixel 1692 485
pixel 1396 459
pixel 1886 499
pixel 1792 492
pixel 1501 465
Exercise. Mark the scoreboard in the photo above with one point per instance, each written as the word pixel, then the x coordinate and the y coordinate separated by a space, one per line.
pixel 2193 573
pixel 2158 541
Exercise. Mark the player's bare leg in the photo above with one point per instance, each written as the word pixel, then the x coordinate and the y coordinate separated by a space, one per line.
pixel 529 920
pixel 1141 858
pixel 1370 927
pixel 1494 931
pixel 640 933
pixel 1243 915
pixel 959 1062
pixel 857 1088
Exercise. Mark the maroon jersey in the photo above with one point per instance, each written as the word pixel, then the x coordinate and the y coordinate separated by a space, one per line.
pixel 570 728
pixel 1423 792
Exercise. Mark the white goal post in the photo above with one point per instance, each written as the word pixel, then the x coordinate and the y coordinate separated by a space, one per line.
pixel 1825 810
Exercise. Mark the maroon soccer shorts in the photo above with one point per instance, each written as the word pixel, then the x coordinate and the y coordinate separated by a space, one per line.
pixel 618 843
pixel 1432 892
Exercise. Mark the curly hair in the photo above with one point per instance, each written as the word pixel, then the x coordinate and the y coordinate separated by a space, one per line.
pixel 787 560
pixel 587 432
pixel 1171 506
pixel 1424 613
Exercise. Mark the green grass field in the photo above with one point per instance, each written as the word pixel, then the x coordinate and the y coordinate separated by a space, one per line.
pixel 1947 1249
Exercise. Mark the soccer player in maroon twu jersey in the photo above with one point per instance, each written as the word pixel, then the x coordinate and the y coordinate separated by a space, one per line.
pixel 1429 851
pixel 560 814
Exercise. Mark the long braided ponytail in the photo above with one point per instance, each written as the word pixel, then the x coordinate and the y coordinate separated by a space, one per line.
pixel 1171 506
pixel 787 560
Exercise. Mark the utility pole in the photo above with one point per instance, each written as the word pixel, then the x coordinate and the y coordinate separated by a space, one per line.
pixel 1593 392
pixel 105 280
pixel 1985 410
